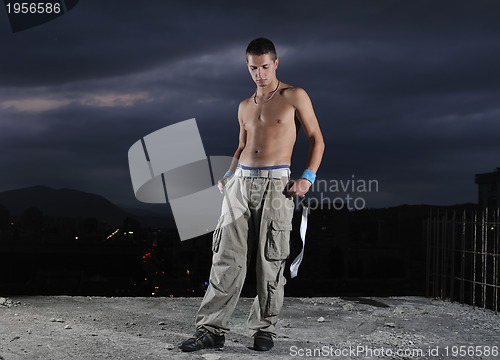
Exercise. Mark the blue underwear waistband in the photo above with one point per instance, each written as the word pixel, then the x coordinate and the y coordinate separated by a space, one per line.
pixel 243 167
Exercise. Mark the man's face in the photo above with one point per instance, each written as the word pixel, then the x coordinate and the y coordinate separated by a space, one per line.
pixel 262 68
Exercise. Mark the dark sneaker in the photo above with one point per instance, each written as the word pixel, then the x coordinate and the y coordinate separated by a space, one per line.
pixel 263 341
pixel 201 340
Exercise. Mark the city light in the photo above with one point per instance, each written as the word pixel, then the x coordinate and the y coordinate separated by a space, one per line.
pixel 113 234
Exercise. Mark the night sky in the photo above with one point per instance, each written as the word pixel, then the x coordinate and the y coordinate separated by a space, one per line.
pixel 407 93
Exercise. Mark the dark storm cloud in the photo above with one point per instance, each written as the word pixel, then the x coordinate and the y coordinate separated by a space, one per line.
pixel 102 39
pixel 406 91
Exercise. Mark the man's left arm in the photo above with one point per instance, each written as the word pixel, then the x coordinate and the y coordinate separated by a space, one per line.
pixel 305 113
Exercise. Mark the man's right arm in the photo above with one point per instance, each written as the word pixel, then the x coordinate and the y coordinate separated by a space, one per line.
pixel 242 139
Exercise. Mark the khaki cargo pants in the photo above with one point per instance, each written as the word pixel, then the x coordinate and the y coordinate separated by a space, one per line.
pixel 256 216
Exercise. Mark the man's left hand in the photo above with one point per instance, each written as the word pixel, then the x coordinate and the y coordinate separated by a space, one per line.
pixel 299 188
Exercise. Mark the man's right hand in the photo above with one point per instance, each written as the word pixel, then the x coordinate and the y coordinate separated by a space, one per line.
pixel 222 182
pixel 298 188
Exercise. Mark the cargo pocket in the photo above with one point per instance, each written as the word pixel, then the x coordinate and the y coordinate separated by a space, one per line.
pixel 278 240
pixel 217 236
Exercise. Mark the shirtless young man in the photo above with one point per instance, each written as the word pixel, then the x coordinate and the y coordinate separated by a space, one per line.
pixel 258 205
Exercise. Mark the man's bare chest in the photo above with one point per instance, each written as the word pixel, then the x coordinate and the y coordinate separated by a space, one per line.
pixel 272 114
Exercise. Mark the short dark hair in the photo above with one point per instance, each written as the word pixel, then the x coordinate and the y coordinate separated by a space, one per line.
pixel 261 46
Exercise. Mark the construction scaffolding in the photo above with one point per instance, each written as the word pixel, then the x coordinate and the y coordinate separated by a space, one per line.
pixel 463 257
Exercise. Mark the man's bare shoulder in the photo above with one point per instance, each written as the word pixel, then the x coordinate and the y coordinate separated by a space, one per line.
pixel 293 94
pixel 242 106
pixel 245 103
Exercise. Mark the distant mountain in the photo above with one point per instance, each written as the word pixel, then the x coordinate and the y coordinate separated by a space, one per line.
pixel 62 203
pixel 78 204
